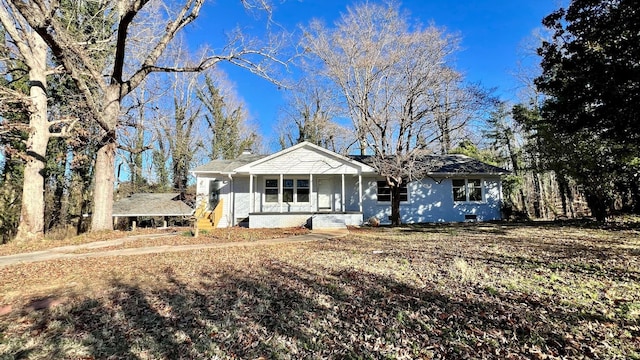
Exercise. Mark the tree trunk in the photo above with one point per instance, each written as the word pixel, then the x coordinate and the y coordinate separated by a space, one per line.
pixel 597 204
pixel 395 205
pixel 32 211
pixel 101 218
pixel 537 203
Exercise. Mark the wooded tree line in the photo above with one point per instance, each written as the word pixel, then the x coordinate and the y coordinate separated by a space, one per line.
pixel 571 144
pixel 76 87
pixel 79 108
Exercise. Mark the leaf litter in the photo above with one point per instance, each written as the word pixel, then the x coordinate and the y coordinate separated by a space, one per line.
pixel 495 291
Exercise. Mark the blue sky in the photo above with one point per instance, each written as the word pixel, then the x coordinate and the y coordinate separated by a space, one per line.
pixel 492 34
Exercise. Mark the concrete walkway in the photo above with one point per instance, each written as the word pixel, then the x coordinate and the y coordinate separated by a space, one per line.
pixel 74 251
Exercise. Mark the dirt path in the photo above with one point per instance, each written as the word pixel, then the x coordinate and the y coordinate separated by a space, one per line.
pixel 74 251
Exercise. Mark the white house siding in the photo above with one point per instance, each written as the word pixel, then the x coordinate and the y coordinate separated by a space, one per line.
pixel 241 198
pixel 303 161
pixel 432 201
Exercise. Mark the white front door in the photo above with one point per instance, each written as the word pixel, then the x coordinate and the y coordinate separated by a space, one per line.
pixel 325 188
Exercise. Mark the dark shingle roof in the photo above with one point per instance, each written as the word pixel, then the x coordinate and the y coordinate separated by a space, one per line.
pixel 446 164
pixel 225 166
pixel 167 204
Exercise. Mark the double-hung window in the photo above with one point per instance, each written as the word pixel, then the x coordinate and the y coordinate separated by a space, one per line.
pixel 384 192
pixel 271 190
pixel 466 190
pixel 302 190
pixel 293 190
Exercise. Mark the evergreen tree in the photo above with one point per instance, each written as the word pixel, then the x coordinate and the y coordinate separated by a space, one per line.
pixel 588 126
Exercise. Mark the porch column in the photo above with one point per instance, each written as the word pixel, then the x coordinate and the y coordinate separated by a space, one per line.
pixel 231 207
pixel 342 202
pixel 252 196
pixel 360 192
pixel 280 191
pixel 311 192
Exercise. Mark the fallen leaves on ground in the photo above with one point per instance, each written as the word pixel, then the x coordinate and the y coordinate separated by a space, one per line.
pixel 481 291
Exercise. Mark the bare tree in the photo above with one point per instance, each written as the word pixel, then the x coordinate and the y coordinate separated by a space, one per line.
pixel 229 130
pixel 181 132
pixel 134 134
pixel 31 50
pixel 104 94
pixel 308 116
pixel 400 92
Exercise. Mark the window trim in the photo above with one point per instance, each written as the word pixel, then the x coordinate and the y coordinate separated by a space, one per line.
pixel 277 188
pixel 404 193
pixel 294 188
pixel 467 191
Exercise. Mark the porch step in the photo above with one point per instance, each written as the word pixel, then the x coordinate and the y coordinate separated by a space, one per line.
pixel 204 224
pixel 328 221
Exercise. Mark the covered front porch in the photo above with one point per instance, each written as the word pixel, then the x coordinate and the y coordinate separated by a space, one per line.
pixel 315 201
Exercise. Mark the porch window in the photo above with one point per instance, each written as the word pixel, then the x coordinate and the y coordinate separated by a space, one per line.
pixel 302 190
pixel 271 190
pixel 465 190
pixel 287 193
pixel 384 192
pixel 295 190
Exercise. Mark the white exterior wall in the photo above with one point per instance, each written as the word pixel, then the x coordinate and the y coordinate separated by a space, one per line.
pixel 431 202
pixel 242 198
pixel 304 161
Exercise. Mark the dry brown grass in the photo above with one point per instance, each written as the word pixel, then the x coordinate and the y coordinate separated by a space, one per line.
pixel 147 237
pixel 480 291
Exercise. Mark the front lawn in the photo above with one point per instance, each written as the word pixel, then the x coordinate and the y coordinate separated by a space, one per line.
pixel 454 292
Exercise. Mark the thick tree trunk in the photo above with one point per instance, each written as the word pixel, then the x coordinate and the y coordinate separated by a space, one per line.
pixel 32 211
pixel 101 219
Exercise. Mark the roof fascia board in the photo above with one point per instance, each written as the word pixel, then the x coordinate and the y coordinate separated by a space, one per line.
pixel 364 168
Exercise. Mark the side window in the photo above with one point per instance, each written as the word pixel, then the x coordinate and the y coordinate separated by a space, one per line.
pixel 404 193
pixel 475 189
pixel 384 192
pixel 465 190
pixel 459 190
pixel 271 190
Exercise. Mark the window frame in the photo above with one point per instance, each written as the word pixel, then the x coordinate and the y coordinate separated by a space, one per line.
pixel 291 190
pixel 404 195
pixel 297 192
pixel 267 188
pixel 468 189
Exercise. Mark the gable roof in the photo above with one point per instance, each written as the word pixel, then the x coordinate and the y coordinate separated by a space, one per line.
pixel 450 164
pixel 164 204
pixel 227 166
pixel 302 158
pixel 306 158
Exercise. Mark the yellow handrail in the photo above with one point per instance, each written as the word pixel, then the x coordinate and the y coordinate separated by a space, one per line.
pixel 201 210
pixel 216 214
